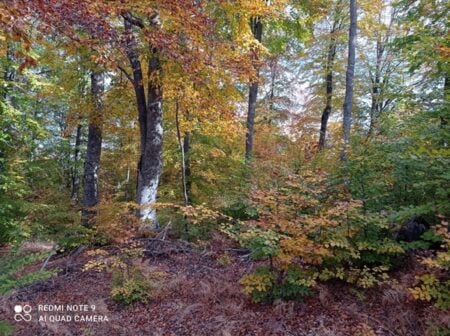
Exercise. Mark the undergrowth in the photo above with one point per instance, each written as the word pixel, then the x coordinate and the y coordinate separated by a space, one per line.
pixel 13 276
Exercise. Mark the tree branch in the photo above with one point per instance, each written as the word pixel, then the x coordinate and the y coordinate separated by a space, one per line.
pixel 126 74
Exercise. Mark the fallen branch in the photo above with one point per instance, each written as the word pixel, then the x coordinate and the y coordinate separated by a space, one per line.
pixel 239 250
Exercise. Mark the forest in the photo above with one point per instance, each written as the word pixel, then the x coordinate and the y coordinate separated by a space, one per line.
pixel 224 167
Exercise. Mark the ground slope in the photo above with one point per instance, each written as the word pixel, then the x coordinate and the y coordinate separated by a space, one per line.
pixel 199 296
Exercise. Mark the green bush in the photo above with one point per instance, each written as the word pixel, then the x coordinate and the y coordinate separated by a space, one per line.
pixel 129 286
pixel 242 210
pixel 267 284
pixel 427 240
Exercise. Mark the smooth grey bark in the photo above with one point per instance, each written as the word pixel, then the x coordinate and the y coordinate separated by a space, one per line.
pixel 150 123
pixel 93 151
pixel 348 99
pixel 75 174
pixel 256 26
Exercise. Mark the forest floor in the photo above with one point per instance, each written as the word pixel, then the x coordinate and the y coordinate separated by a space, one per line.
pixel 201 296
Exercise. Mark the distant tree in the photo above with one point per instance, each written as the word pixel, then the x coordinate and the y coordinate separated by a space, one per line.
pixel 349 76
pixel 336 26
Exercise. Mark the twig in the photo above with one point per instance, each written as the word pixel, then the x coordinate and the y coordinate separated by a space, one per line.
pixel 164 232
pixel 47 260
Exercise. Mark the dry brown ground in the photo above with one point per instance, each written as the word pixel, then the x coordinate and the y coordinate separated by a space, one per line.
pixel 201 297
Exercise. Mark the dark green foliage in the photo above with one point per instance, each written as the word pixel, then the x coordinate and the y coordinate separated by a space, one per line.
pixel 242 210
pixel 12 185
pixel 291 286
pixel 428 240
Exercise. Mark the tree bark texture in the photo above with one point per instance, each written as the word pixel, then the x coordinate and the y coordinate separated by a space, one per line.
pixel 93 151
pixel 150 125
pixel 256 26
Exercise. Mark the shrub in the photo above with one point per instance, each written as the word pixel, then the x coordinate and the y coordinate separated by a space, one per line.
pixel 242 210
pixel 192 222
pixel 224 259
pixel 332 237
pixel 267 284
pixel 129 286
pixel 435 285
pixel 129 283
pixel 430 288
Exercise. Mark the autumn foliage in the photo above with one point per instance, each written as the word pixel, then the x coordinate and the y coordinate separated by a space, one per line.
pixel 125 131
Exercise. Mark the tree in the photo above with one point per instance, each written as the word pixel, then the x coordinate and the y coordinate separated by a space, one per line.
pixel 94 148
pixel 336 26
pixel 150 119
pixel 383 65
pixel 183 143
pixel 348 99
pixel 256 27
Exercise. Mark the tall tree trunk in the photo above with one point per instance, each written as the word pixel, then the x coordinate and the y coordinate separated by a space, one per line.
pixel 273 76
pixel 375 107
pixel 187 165
pixel 75 171
pixel 329 89
pixel 137 80
pixel 150 163
pixel 182 152
pixel 256 26
pixel 93 152
pixel 150 124
pixel 348 100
